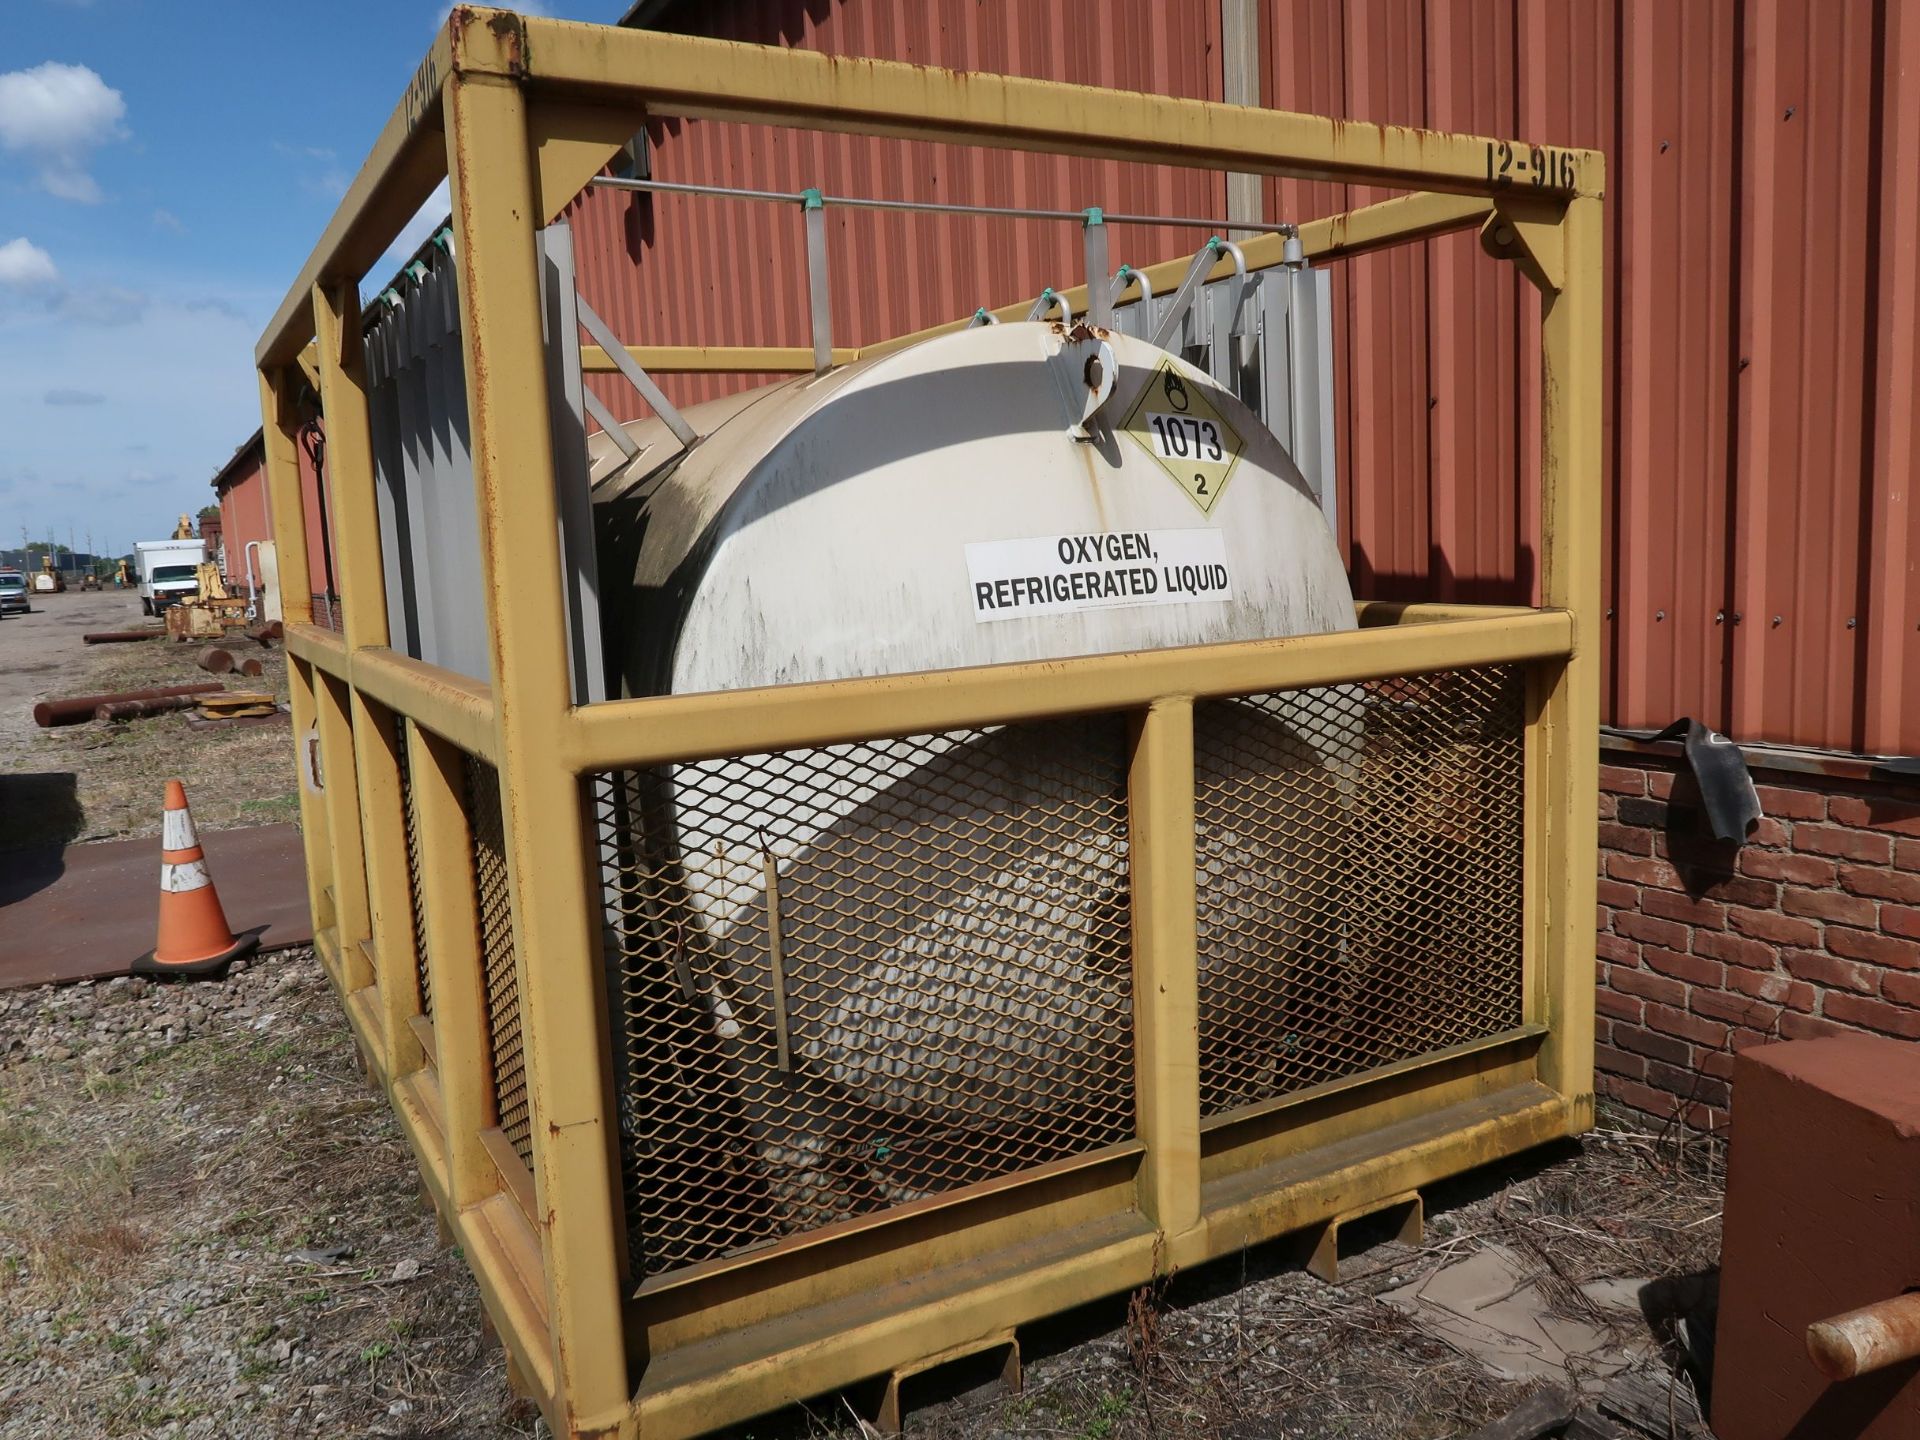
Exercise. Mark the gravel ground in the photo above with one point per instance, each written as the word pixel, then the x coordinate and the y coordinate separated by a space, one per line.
pixel 211 1226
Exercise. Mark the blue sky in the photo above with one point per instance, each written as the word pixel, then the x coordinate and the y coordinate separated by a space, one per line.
pixel 165 167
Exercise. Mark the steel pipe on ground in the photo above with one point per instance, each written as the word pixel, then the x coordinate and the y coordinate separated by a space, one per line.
pixel 78 709
pixel 214 660
pixel 120 637
pixel 1868 1339
pixel 141 709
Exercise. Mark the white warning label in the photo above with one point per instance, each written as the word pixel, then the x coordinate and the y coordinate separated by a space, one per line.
pixel 1050 574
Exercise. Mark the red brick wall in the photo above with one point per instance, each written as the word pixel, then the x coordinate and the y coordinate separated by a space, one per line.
pixel 1810 928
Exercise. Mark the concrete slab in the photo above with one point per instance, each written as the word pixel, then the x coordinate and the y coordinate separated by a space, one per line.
pixel 1489 1307
pixel 83 912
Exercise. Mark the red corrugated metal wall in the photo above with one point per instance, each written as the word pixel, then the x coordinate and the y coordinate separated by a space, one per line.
pixel 684 270
pixel 244 511
pixel 1762 325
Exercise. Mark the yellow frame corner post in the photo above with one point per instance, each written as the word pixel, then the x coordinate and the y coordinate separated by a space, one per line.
pixel 1572 361
pixel 1166 987
pixel 553 873
pixel 279 429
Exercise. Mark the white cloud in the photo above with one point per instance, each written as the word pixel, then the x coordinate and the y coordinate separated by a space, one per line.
pixel 321 172
pixel 103 305
pixel 25 266
pixel 56 115
pixel 28 270
pixel 215 305
pixel 167 220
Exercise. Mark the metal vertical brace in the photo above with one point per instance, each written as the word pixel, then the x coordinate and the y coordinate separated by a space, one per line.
pixel 819 297
pixel 1093 234
pixel 289 515
pixel 378 735
pixel 347 860
pixel 566 390
pixel 551 865
pixel 315 837
pixel 1166 1040
pixel 397 479
pixel 1562 821
pixel 296 602
pixel 352 922
pixel 1310 378
pixel 438 771
pixel 386 932
pixel 359 572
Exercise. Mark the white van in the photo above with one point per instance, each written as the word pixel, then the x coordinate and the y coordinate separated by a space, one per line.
pixel 168 571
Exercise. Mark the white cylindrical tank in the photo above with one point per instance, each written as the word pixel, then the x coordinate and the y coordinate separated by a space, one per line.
pixel 948 913
pixel 828 528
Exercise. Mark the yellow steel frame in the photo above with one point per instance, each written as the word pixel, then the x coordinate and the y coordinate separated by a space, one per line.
pixel 520 112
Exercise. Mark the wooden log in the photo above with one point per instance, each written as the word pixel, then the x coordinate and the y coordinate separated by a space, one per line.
pixel 1541 1414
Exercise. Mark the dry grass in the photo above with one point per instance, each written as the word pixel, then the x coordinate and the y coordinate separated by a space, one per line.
pixel 102 780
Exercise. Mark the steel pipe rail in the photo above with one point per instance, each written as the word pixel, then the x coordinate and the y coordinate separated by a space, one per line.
pixel 1868 1339
pixel 1360 231
pixel 449 704
pixel 673 729
pixel 915 207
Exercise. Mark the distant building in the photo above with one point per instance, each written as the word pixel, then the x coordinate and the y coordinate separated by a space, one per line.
pixel 245 515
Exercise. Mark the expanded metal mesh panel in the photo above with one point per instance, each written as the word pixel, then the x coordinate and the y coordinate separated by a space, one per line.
pixel 415 902
pixel 1359 876
pixel 854 976
pixel 504 1043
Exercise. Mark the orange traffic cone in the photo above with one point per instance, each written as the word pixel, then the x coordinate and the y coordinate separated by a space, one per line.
pixel 194 937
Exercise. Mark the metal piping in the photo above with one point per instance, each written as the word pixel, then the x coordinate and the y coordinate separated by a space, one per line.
pixel 1868 1339
pixel 1049 298
pixel 1127 276
pixel 929 207
pixel 78 709
pixel 253 589
pixel 1094 246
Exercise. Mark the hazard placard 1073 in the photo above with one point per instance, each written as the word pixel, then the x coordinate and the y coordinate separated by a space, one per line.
pixel 1176 422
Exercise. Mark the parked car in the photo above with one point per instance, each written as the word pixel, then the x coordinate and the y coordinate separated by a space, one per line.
pixel 13 593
